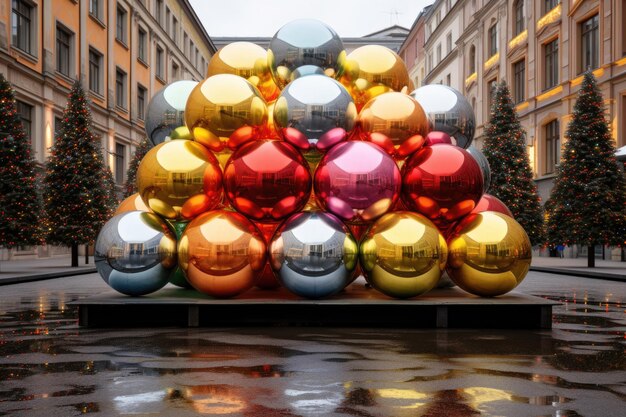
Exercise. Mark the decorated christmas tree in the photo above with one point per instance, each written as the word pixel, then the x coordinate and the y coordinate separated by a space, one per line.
pixel 79 190
pixel 20 201
pixel 130 187
pixel 511 175
pixel 587 202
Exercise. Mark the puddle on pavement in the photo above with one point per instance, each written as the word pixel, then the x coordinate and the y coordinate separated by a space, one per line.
pixel 301 372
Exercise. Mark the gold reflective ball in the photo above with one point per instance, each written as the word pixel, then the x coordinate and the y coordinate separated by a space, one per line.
pixel 222 253
pixel 372 70
pixel 224 110
pixel 132 203
pixel 179 179
pixel 246 60
pixel 490 254
pixel 403 254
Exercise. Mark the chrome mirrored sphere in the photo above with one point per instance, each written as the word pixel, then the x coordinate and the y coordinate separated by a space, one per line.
pixel 448 111
pixel 313 106
pixel 314 254
pixel 135 253
pixel 484 166
pixel 303 42
pixel 166 110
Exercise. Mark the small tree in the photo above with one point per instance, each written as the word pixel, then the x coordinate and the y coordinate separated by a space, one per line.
pixel 587 204
pixel 20 199
pixel 79 188
pixel 130 187
pixel 511 175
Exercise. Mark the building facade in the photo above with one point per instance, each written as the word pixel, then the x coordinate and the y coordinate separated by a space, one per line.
pixel 412 49
pixel 540 48
pixel 122 51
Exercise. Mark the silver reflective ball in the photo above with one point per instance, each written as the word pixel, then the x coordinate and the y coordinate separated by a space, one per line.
pixel 448 111
pixel 314 105
pixel 135 253
pixel 166 110
pixel 484 166
pixel 314 254
pixel 303 42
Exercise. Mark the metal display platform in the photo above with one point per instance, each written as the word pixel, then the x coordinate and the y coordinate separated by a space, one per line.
pixel 357 306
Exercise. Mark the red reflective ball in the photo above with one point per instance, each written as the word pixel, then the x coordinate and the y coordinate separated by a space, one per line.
pixel 357 181
pixel 442 182
pixel 267 180
pixel 490 203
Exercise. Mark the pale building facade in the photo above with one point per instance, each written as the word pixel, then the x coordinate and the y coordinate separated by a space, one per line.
pixel 412 49
pixel 122 51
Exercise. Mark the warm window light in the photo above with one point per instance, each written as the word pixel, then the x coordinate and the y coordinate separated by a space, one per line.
pixel 518 40
pixel 492 61
pixel 471 79
pixel 552 16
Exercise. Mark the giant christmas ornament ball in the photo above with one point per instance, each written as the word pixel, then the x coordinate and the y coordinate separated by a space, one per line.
pixel 166 110
pixel 372 70
pixel 247 60
pixel 491 203
pixel 403 254
pixel 314 254
pixel 221 253
pixel 131 203
pixel 135 253
pixel 442 182
pixel 448 111
pixel 394 121
pixel 484 166
pixel 489 254
pixel 304 43
pixel 224 111
pixel 314 113
pixel 357 181
pixel 267 180
pixel 180 179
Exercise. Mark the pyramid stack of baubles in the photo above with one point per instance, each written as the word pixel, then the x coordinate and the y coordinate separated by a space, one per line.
pixel 304 166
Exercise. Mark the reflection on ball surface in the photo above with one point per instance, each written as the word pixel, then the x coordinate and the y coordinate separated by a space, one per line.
pixel 222 253
pixel 490 254
pixel 314 254
pixel 403 254
pixel 135 253
pixel 166 110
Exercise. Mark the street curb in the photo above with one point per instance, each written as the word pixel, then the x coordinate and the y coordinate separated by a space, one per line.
pixel 575 273
pixel 41 277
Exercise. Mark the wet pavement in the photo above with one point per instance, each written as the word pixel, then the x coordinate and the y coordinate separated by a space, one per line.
pixel 51 367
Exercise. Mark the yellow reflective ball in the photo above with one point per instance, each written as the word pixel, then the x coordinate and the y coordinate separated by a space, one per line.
pixel 372 70
pixel 403 254
pixel 489 254
pixel 179 179
pixel 246 60
pixel 132 203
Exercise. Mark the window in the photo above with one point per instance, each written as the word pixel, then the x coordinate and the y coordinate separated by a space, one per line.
pixel 25 113
pixel 95 71
pixel 448 79
pixel 58 124
pixel 493 40
pixel 438 17
pixel 64 48
pixel 590 46
pixel 141 102
pixel 175 30
pixel 159 63
pixel 491 89
pixel 553 146
pixel 167 19
pixel 95 9
pixel 519 74
pixel 472 60
pixel 120 151
pixel 120 24
pixel 185 43
pixel 158 9
pixel 430 61
pixel 518 12
pixel 174 71
pixel 120 88
pixel 551 64
pixel 549 5
pixel 449 42
pixel 438 53
pixel 142 42
pixel 22 26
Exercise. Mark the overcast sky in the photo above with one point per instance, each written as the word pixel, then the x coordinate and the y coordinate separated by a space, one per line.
pixel 349 18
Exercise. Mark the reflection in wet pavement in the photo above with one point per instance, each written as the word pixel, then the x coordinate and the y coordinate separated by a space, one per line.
pixel 49 366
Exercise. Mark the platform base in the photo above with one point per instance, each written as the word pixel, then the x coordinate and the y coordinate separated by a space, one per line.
pixel 357 306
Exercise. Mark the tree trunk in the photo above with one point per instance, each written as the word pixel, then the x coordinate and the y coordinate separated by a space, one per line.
pixel 86 253
pixel 591 256
pixel 74 254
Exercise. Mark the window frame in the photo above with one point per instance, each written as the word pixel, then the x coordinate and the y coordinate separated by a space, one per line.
pixel 592 37
pixel 96 12
pixel 121 24
pixel 552 143
pixel 99 76
pixel 25 119
pixel 142 93
pixel 18 17
pixel 519 81
pixel 121 94
pixel 492 40
pixel 160 63
pixel 551 64
pixel 70 50
pixel 120 163
pixel 518 13
pixel 142 45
